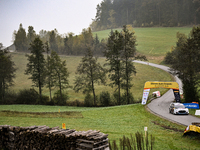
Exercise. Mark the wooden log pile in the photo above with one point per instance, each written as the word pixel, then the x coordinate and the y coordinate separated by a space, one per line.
pixel 45 138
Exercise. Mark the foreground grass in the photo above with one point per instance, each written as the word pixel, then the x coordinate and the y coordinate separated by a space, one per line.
pixel 144 73
pixel 114 121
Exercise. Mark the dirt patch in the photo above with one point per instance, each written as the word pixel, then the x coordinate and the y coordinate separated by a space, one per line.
pixel 66 114
pixel 167 127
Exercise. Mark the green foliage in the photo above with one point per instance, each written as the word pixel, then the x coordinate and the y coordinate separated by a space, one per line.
pixel 88 101
pixel 27 96
pixel 127 99
pixel 90 72
pixel 58 73
pixel 154 13
pixel 60 99
pixel 52 41
pixel 7 73
pixel 185 62
pixel 119 53
pixel 105 99
pixel 113 53
pixel 36 64
pixel 21 41
pixel 31 35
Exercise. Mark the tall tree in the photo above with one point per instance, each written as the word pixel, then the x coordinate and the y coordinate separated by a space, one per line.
pixel 52 41
pixel 36 64
pixel 59 73
pixel 185 62
pixel 120 53
pixel 20 41
pixel 7 72
pixel 49 73
pixel 90 72
pixel 113 53
pixel 127 57
pixel 31 34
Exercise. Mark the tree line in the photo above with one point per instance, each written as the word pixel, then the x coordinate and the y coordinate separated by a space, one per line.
pixel 51 72
pixel 146 13
pixel 119 51
pixel 67 44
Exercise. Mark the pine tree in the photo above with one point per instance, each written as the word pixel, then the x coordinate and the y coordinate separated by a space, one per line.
pixel 113 53
pixel 59 74
pixel 36 65
pixel 90 72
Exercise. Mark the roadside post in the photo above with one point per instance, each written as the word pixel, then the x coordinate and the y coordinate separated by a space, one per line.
pixel 145 131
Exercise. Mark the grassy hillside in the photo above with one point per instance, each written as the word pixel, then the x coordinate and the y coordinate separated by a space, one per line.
pixel 144 73
pixel 153 42
pixel 114 121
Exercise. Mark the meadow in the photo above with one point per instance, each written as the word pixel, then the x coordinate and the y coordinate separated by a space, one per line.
pixel 153 42
pixel 115 121
pixel 144 73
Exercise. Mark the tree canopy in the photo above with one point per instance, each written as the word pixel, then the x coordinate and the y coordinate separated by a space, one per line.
pixel 89 72
pixel 7 73
pixel 185 62
pixel 36 64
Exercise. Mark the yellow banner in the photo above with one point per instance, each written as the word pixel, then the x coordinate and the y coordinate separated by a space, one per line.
pixel 156 84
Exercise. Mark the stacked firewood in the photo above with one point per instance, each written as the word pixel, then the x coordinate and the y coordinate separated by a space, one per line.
pixel 45 138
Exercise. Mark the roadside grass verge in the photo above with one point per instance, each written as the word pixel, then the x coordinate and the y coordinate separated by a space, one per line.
pixel 114 121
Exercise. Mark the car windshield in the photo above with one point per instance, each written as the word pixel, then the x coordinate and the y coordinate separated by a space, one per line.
pixel 179 106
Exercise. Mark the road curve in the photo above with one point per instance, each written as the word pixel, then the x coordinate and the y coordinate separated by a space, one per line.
pixel 160 106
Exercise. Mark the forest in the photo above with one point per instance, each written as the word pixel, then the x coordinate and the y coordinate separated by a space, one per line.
pixel 146 13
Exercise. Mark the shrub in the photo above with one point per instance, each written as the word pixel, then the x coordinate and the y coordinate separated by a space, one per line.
pixel 27 96
pixel 60 100
pixel 44 100
pixel 105 99
pixel 124 99
pixel 77 103
pixel 10 97
pixel 88 101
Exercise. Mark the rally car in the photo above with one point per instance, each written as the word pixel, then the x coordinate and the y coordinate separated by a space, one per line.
pixel 178 108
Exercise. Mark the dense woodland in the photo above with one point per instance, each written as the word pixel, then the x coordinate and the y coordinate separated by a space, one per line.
pixel 146 13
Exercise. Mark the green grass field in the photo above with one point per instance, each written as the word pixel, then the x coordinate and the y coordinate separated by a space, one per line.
pixel 114 121
pixel 144 73
pixel 153 42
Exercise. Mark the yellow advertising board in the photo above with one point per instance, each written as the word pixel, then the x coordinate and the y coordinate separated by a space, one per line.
pixel 158 84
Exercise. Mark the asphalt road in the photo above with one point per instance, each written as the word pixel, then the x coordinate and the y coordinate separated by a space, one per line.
pixel 160 106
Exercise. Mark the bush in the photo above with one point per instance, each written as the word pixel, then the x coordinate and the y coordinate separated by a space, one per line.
pixel 105 99
pixel 124 99
pixel 60 100
pixel 27 96
pixel 10 97
pixel 75 103
pixel 44 100
pixel 88 101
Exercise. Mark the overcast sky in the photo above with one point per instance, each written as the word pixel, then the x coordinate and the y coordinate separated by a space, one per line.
pixel 64 15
